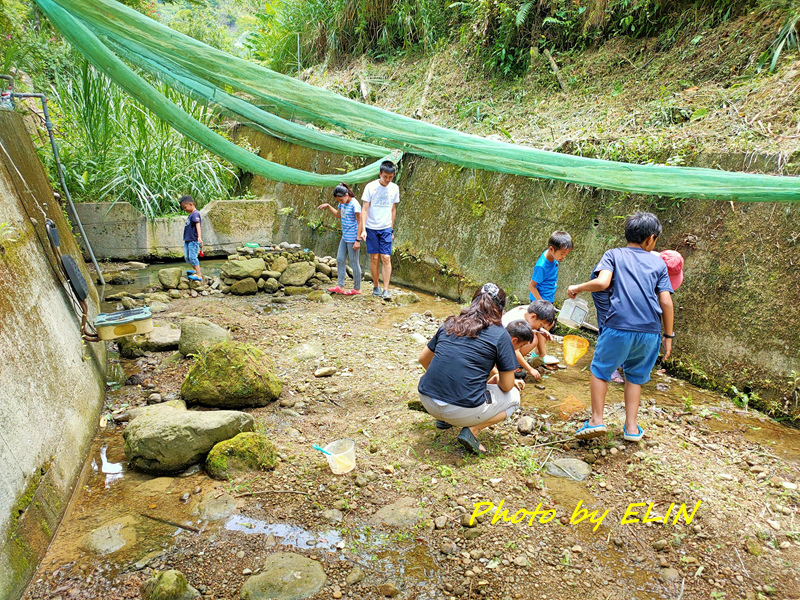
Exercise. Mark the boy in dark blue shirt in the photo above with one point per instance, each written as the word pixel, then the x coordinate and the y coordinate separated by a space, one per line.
pixel 192 237
pixel 639 302
pixel 545 273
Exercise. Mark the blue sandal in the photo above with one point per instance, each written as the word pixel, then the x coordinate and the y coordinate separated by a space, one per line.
pixel 632 437
pixel 194 278
pixel 587 432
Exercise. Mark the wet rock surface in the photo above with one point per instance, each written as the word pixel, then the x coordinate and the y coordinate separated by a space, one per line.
pixel 168 585
pixel 197 333
pixel 170 440
pixel 286 576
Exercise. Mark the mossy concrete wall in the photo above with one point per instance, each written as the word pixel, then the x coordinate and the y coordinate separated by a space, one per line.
pixel 120 232
pixel 52 384
pixel 737 312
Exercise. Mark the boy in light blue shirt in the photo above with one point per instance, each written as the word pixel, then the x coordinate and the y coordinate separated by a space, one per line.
pixel 640 300
pixel 545 273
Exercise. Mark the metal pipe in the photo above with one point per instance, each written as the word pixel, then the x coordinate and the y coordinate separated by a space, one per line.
pixel 49 125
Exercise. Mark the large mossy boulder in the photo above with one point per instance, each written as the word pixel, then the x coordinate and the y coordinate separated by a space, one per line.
pixel 245 453
pixel 231 375
pixel 170 440
pixel 279 264
pixel 296 274
pixel 197 333
pixel 168 585
pixel 170 278
pixel 242 269
pixel 285 576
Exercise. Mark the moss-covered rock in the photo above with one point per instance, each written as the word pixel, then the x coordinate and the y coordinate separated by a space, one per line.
pixel 245 453
pixel 231 375
pixel 168 585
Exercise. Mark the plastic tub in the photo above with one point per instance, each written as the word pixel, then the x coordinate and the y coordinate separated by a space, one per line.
pixel 343 456
pixel 574 348
pixel 114 325
pixel 573 312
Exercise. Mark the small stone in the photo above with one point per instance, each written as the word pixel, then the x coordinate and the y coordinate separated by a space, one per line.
pixel 786 545
pixel 325 372
pixel 288 402
pixel 468 521
pixel 774 524
pixel 670 574
pixel 521 560
pixel 617 541
pixel 440 522
pixel 247 571
pixel 185 497
pixel 448 548
pixel 337 594
pixel 659 545
pixel 361 481
pixel 525 425
pixel 473 533
pixel 725 476
pixel 389 590
pixel 154 399
pixel 388 469
pixel 788 485
pixel 614 451
pixel 240 554
pixel 332 515
pixel 539 387
pixel 355 576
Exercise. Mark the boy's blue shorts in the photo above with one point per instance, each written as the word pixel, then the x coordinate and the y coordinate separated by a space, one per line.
pixel 379 241
pixel 190 252
pixel 636 352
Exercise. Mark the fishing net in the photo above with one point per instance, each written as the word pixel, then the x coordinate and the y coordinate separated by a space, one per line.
pixel 112 37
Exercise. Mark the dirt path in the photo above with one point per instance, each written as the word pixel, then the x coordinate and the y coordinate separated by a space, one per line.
pixel 741 542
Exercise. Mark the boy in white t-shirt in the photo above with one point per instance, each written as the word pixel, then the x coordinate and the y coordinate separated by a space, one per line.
pixel 379 210
pixel 540 315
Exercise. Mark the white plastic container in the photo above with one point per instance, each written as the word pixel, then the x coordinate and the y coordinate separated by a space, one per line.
pixel 573 312
pixel 136 321
pixel 343 456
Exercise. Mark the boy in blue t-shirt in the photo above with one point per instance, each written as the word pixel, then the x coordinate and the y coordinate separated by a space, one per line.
pixel 545 273
pixel 639 302
pixel 192 238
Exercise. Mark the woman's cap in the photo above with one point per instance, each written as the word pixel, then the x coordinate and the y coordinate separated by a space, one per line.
pixel 674 262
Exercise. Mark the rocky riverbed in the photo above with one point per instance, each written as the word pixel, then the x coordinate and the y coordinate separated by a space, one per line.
pixel 399 524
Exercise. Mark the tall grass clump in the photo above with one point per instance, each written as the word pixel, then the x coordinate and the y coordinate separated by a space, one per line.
pixel 332 28
pixel 114 149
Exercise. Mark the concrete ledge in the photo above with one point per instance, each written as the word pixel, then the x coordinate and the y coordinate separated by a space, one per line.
pixel 120 232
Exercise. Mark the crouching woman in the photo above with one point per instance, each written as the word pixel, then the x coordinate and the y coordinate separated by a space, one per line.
pixel 458 387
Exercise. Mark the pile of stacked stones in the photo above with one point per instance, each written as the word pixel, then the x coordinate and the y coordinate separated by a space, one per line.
pixel 269 270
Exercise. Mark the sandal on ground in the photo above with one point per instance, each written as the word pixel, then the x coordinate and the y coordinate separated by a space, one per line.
pixel 587 432
pixel 336 290
pixel 352 292
pixel 632 437
pixel 190 271
pixel 469 441
pixel 442 424
pixel 617 378
pixel 195 278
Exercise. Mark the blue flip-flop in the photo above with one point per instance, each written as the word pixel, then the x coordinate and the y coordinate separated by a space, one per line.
pixel 632 437
pixel 587 432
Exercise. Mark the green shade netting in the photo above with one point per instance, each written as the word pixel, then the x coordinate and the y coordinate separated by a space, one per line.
pixel 105 30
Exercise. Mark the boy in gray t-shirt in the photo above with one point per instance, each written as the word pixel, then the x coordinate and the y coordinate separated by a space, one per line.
pixel 639 302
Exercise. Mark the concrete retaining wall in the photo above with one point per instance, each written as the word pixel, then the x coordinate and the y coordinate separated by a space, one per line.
pixel 120 231
pixel 52 385
pixel 736 312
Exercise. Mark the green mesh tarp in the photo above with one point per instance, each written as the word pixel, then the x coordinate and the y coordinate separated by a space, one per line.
pixel 105 31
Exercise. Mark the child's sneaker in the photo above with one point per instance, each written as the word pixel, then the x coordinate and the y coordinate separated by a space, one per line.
pixel 336 290
pixel 194 277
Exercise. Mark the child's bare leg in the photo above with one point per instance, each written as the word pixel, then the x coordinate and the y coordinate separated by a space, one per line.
pixel 633 394
pixel 541 345
pixel 598 389
pixel 197 271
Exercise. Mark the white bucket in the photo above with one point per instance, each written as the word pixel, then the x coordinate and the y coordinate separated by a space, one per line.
pixel 342 457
